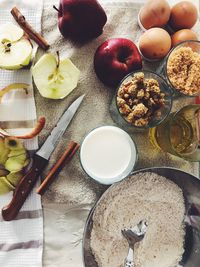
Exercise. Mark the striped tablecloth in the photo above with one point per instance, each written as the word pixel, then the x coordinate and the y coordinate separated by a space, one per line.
pixel 21 240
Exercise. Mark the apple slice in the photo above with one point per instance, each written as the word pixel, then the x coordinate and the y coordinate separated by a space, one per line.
pixel 13 143
pixel 5 186
pixel 17 163
pixel 14 177
pixel 13 159
pixel 4 151
pixel 55 78
pixel 15 47
pixel 14 153
pixel 10 32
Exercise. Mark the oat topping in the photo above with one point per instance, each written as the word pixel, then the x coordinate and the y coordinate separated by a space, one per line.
pixel 183 70
pixel 139 98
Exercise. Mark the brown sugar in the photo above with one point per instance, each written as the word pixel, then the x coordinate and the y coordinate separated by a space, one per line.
pixel 183 69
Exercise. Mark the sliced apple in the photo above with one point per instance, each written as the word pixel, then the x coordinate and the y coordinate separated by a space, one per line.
pixel 14 177
pixel 13 159
pixel 15 47
pixel 55 78
pixel 5 186
pixel 13 143
pixel 14 153
pixel 10 31
pixel 4 151
pixel 15 164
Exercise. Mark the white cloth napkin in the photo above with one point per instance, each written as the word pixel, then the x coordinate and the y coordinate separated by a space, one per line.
pixel 21 240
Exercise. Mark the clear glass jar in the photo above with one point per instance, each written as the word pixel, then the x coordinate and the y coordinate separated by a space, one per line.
pixel 179 134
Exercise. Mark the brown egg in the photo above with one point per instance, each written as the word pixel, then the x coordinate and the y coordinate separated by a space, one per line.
pixel 155 13
pixel 183 35
pixel 155 43
pixel 183 15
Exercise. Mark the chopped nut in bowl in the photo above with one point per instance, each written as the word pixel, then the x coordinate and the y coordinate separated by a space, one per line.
pixel 143 100
pixel 182 68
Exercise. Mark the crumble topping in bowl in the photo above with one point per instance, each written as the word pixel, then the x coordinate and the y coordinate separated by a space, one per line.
pixel 140 99
pixel 183 70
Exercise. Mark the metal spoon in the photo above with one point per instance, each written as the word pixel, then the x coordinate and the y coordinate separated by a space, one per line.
pixel 133 235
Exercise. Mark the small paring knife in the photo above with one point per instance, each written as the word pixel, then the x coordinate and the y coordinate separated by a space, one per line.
pixel 40 160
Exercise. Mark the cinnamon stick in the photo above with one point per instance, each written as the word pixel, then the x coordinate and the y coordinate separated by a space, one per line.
pixel 20 19
pixel 66 157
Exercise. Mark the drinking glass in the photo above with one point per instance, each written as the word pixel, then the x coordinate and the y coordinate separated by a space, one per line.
pixel 108 154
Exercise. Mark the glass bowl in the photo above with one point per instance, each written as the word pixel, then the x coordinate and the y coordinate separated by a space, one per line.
pixel 195 46
pixel 159 114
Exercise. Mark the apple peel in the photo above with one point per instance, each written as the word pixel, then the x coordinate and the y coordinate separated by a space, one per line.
pixel 37 129
pixel 13 86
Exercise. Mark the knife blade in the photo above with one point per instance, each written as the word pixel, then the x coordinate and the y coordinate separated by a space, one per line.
pixel 40 161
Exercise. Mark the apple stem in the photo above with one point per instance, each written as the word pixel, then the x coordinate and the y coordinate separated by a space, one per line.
pixel 56 9
pixel 58 58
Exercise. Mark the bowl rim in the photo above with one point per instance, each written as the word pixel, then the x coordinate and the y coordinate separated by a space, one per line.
pixel 176 91
pixel 166 85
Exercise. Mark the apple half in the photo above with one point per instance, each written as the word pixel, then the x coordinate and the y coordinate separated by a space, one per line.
pixel 55 78
pixel 15 47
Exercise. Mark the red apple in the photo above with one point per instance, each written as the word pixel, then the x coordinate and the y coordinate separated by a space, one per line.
pixel 197 100
pixel 114 59
pixel 81 20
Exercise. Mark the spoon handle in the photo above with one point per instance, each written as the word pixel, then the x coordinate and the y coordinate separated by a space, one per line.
pixel 129 259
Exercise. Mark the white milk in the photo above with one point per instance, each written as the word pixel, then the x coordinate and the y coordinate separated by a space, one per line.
pixel 108 154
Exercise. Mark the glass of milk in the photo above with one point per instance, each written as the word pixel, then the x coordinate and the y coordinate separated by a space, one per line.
pixel 108 154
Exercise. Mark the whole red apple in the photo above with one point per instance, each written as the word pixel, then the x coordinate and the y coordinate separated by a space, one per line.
pixel 114 59
pixel 81 20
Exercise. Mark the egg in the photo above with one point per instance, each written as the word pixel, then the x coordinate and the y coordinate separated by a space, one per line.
pixel 184 15
pixel 155 13
pixel 183 35
pixel 155 43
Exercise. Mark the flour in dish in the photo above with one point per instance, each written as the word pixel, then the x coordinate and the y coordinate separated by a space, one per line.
pixel 143 196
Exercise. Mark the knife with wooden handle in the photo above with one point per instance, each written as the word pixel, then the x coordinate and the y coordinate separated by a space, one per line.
pixel 40 160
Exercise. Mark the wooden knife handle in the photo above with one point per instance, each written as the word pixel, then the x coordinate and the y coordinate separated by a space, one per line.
pixel 23 189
